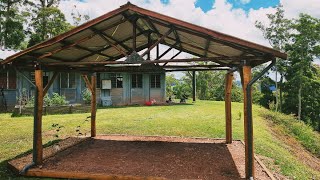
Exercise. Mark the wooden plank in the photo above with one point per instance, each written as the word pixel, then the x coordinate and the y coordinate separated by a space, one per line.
pixel 84 175
pixel 182 60
pixel 88 84
pixel 246 73
pixel 134 34
pixel 38 119
pixel 203 69
pixel 227 99
pixel 93 104
pixel 45 90
pixel 157 42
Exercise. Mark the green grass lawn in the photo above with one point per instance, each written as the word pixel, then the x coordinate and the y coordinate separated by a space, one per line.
pixel 201 119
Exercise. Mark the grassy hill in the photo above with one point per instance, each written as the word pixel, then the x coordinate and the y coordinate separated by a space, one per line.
pixel 279 140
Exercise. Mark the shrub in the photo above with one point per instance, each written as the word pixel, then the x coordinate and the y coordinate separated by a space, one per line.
pixel 86 96
pixel 57 100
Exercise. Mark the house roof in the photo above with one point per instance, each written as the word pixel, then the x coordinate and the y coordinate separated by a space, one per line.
pixel 110 37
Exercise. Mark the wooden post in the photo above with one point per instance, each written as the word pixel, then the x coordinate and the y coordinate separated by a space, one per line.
pixel 227 100
pixel 194 86
pixel 93 104
pixel 246 77
pixel 38 108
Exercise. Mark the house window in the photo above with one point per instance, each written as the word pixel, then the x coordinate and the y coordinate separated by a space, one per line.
pixel 68 80
pixel 45 78
pixel 155 81
pixel 136 81
pixel 98 80
pixel 116 81
pixel 8 80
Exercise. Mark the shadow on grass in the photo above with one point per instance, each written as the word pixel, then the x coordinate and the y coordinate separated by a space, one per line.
pixel 6 173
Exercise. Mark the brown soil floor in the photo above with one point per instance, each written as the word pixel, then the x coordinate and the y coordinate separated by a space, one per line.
pixel 167 157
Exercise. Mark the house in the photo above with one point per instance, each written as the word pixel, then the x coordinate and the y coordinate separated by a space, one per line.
pixel 113 88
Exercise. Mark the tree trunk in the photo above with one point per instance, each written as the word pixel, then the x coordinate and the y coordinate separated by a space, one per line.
pixel 299 105
pixel 277 104
pixel 280 93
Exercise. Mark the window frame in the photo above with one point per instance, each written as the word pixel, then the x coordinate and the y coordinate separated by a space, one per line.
pixel 8 80
pixel 68 81
pixel 155 81
pixel 115 79
pixel 136 81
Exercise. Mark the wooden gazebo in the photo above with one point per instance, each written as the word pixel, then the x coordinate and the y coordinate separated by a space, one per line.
pixel 103 44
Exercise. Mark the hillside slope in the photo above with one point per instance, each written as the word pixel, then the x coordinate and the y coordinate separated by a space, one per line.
pixel 280 144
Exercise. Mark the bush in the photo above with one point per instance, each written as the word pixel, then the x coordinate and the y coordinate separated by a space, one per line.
pixel 55 100
pixel 86 96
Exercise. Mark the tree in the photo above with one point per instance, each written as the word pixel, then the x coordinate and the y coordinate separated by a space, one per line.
pixel 301 76
pixel 171 81
pixel 47 21
pixel 11 24
pixel 277 33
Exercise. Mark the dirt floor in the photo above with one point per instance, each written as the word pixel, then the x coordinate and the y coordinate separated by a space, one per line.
pixel 166 157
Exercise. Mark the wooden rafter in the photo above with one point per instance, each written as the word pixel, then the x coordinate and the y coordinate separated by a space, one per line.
pixel 106 48
pixel 197 47
pixel 206 48
pixel 109 42
pixel 174 56
pixel 157 42
pixel 165 52
pixel 117 42
pixel 134 34
pixel 191 65
pixel 48 54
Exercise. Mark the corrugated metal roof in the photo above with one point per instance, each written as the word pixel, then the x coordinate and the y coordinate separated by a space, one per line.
pixel 110 37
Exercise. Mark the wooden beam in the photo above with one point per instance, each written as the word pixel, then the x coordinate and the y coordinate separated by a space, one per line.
pixel 246 73
pixel 194 90
pixel 202 69
pixel 194 66
pixel 164 53
pixel 106 48
pixel 174 56
pixel 114 45
pixel 88 84
pixel 182 60
pixel 93 104
pixel 157 42
pixel 48 54
pixel 45 90
pixel 38 108
pixel 227 100
pixel 206 48
pixel 134 34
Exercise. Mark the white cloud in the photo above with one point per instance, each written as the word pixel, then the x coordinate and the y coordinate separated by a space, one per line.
pixel 223 17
